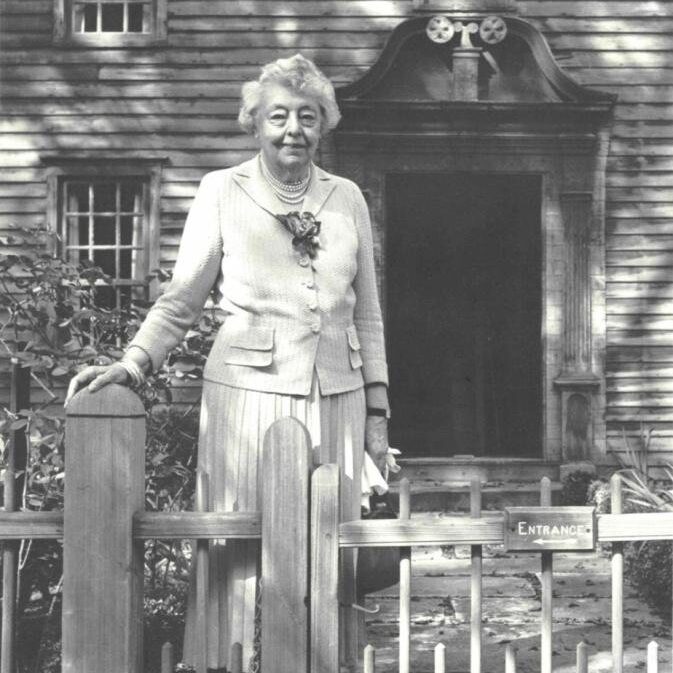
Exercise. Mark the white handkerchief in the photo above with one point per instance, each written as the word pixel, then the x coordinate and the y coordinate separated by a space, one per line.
pixel 372 481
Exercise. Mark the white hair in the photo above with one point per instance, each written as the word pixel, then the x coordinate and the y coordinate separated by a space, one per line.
pixel 296 73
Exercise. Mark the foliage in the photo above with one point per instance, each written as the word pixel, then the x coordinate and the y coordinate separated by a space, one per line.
pixel 56 319
pixel 575 486
pixel 598 495
pixel 647 564
pixel 642 492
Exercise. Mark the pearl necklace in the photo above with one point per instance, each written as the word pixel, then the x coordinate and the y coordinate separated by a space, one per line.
pixel 288 192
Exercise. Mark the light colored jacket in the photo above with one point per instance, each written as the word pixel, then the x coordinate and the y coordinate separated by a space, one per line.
pixel 286 315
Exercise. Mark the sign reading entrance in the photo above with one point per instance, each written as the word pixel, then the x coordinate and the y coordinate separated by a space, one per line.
pixel 550 528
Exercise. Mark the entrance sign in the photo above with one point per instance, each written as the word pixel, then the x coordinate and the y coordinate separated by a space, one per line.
pixel 550 528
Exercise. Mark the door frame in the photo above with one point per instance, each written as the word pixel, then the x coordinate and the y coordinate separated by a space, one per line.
pixel 384 292
pixel 573 250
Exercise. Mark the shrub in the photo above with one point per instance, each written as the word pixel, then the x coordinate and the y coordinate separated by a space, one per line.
pixel 648 564
pixel 648 568
pixel 54 323
pixel 575 486
pixel 598 495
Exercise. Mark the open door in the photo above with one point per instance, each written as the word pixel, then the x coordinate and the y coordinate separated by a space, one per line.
pixel 463 296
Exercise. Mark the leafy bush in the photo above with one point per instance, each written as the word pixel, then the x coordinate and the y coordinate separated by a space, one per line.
pixel 575 486
pixel 55 321
pixel 598 495
pixel 647 564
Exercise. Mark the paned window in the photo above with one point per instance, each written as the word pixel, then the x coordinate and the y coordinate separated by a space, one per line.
pixel 112 17
pixel 105 221
pixel 110 22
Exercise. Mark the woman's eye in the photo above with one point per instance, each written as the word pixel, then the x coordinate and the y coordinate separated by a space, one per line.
pixel 278 118
pixel 308 119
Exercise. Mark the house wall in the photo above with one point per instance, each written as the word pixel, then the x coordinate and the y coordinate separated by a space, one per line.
pixel 179 101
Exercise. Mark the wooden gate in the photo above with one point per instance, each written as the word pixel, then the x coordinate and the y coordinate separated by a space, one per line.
pixel 103 528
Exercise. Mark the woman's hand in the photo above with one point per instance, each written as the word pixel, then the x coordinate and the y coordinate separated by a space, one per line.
pixel 376 440
pixel 96 377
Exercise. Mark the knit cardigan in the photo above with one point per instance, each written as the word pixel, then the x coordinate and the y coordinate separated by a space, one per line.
pixel 287 315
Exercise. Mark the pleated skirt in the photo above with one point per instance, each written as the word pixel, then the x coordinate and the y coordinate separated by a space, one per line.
pixel 232 428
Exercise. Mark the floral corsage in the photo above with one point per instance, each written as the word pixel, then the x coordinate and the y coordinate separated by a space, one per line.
pixel 304 229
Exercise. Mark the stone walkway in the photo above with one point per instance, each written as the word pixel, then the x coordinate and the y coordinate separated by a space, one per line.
pixel 441 613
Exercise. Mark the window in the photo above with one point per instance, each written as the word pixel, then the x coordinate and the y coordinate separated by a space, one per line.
pixel 109 216
pixel 110 22
pixel 103 221
pixel 112 17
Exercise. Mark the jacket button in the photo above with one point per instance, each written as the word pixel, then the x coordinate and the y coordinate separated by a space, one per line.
pixel 309 284
pixel 313 305
pixel 315 328
pixel 303 261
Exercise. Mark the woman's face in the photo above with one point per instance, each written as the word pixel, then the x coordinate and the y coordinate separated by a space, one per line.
pixel 288 127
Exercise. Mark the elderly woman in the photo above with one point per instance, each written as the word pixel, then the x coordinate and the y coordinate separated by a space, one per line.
pixel 289 249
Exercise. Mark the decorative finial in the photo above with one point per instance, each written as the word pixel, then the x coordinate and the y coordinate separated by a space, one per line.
pixel 493 29
pixel 440 29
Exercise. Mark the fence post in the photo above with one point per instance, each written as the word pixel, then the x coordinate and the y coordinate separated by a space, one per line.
pixel 475 583
pixel 653 657
pixel 201 496
pixel 102 565
pixel 167 658
pixel 325 570
pixel 369 659
pixel 405 582
pixel 15 478
pixel 547 582
pixel 440 658
pixel 510 658
pixel 582 663
pixel 285 547
pixel 617 567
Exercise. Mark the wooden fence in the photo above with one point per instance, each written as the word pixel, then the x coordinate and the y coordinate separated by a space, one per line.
pixel 104 525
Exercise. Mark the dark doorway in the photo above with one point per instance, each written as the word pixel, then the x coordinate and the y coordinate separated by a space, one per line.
pixel 463 311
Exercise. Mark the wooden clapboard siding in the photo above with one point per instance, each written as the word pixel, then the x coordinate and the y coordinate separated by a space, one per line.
pixel 179 101
pixel 616 47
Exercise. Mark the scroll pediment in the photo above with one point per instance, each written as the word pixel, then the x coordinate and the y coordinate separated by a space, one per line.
pixel 461 61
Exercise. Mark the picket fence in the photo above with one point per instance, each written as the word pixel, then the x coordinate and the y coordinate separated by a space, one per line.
pixel 104 526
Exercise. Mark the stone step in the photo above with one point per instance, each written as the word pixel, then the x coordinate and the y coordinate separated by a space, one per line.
pixel 463 469
pixel 450 497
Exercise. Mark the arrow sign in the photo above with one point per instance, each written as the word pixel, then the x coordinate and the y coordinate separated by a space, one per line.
pixel 550 528
pixel 542 541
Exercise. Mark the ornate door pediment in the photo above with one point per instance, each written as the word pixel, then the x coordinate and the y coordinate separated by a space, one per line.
pixel 458 92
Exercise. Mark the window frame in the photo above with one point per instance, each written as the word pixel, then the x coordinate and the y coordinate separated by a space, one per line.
pixel 64 33
pixel 88 170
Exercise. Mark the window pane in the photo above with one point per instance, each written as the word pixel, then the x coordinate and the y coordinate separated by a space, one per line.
pixel 126 264
pixel 82 230
pixel 105 259
pixel 136 17
pixel 131 197
pixel 104 231
pixel 105 197
pixel 113 17
pixel 86 17
pixel 126 229
pixel 77 197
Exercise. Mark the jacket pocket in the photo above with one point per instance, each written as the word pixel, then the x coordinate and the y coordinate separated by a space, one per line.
pixel 354 347
pixel 252 348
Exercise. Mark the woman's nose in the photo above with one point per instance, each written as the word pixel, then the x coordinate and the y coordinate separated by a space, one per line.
pixel 293 125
